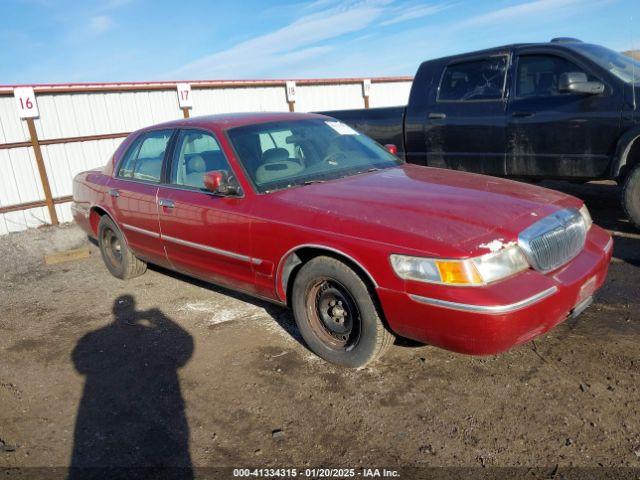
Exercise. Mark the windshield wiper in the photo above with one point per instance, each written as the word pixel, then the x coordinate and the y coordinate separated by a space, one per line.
pixel 311 182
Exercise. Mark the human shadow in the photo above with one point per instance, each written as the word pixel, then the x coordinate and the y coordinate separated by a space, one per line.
pixel 131 421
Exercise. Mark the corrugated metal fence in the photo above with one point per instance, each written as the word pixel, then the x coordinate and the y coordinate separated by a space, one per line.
pixel 80 126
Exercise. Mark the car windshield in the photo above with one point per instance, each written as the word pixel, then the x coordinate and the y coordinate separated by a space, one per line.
pixel 622 66
pixel 285 154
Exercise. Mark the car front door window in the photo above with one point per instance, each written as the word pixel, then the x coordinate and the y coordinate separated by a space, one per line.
pixel 196 154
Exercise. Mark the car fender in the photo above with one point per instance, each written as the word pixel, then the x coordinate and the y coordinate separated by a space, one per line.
pixel 290 260
pixel 623 148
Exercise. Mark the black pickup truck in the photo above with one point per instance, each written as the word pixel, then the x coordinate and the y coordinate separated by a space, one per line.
pixel 558 110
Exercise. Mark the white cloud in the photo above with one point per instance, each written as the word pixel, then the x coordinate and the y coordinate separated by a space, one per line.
pixel 404 14
pixel 256 54
pixel 100 24
pixel 522 11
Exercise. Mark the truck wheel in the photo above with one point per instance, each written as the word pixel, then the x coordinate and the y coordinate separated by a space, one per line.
pixel 117 256
pixel 337 315
pixel 631 196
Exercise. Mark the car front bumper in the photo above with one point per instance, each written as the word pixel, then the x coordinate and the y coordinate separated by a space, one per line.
pixel 491 319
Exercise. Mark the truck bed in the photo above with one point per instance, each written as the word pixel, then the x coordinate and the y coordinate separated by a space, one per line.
pixel 384 125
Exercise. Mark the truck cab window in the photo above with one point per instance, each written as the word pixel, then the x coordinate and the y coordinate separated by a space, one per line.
pixel 475 80
pixel 538 75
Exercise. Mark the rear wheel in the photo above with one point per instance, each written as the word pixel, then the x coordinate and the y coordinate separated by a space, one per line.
pixel 337 315
pixel 631 196
pixel 117 256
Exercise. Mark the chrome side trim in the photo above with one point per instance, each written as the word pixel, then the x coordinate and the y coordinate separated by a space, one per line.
pixel 609 245
pixel 218 251
pixel 465 307
pixel 199 246
pixel 141 230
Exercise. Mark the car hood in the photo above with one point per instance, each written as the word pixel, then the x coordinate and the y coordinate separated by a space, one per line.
pixel 424 210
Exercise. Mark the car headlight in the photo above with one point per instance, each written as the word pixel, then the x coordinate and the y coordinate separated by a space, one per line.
pixel 586 216
pixel 471 272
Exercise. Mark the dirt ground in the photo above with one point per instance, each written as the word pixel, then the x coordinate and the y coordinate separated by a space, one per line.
pixel 96 371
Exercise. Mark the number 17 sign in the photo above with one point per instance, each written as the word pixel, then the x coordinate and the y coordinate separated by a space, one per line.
pixel 184 95
pixel 26 102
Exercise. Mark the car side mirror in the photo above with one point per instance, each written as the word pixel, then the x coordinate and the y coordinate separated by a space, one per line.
pixel 576 82
pixel 217 182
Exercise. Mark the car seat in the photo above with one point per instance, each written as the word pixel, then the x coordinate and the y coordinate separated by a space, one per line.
pixel 276 165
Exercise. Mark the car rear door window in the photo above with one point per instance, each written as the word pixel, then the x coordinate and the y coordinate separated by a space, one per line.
pixel 482 79
pixel 143 160
pixel 538 75
pixel 197 152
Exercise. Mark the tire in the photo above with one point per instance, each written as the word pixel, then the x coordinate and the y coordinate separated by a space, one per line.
pixel 117 256
pixel 337 314
pixel 631 196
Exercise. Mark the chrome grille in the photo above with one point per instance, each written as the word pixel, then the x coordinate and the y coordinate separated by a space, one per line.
pixel 554 240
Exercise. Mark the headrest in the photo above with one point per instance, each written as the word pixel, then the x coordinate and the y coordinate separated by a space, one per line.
pixel 196 164
pixel 275 155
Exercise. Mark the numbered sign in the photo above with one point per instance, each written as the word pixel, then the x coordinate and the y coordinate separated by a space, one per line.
pixel 366 87
pixel 26 102
pixel 291 91
pixel 184 95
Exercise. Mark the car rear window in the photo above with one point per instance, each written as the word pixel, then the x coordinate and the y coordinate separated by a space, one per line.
pixel 143 160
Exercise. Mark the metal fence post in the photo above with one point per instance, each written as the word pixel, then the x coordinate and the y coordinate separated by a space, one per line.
pixel 290 89
pixel 48 197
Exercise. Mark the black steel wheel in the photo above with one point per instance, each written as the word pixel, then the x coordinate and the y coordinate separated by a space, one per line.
pixel 116 254
pixel 337 314
pixel 333 313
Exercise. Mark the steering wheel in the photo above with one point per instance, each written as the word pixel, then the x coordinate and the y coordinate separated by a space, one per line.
pixel 332 158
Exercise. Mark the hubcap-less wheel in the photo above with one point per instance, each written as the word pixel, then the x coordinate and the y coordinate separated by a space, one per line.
pixel 337 314
pixel 113 248
pixel 333 314
pixel 118 258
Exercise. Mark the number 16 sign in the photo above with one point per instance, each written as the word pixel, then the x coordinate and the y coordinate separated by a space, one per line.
pixel 184 95
pixel 26 102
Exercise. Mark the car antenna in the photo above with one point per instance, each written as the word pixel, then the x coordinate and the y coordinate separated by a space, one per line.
pixel 633 65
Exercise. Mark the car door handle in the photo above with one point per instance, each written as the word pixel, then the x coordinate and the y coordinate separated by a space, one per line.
pixel 114 193
pixel 163 202
pixel 522 114
pixel 437 116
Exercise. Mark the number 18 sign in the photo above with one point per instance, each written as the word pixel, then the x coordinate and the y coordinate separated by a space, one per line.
pixel 26 102
pixel 184 95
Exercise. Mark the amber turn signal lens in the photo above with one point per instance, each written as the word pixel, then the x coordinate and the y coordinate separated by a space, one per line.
pixel 458 272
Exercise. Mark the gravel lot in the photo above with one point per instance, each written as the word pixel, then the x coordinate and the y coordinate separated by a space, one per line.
pixel 100 372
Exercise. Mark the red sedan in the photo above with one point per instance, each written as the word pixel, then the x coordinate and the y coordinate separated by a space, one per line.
pixel 301 210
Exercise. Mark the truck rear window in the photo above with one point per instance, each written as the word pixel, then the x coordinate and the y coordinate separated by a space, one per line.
pixel 482 79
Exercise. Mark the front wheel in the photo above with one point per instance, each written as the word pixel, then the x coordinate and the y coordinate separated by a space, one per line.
pixel 337 315
pixel 631 196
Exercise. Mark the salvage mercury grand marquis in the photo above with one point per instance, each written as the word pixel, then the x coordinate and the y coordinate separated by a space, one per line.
pixel 301 210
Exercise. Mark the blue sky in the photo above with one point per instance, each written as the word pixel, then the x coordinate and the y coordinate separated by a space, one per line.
pixel 47 41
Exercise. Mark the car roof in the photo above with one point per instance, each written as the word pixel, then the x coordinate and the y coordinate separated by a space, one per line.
pixel 226 121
